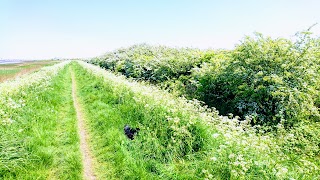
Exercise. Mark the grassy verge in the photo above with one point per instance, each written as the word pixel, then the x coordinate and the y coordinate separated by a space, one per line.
pixel 38 133
pixel 181 139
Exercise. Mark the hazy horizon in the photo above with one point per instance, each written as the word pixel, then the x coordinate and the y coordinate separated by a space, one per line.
pixel 37 29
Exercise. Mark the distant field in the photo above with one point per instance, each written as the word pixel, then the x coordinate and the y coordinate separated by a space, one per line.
pixel 10 71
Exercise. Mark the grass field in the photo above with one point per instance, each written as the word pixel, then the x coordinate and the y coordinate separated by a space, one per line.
pixel 40 136
pixel 9 71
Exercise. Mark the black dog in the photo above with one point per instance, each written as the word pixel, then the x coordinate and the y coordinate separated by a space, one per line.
pixel 130 132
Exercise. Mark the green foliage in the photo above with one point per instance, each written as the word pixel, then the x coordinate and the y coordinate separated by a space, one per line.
pixel 271 80
pixel 301 141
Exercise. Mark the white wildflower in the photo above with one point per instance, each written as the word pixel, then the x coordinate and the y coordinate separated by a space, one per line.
pixel 215 135
pixel 213 159
pixel 204 171
pixel 227 135
pixel 231 156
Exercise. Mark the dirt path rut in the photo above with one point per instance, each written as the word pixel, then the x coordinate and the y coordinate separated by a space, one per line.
pixel 85 151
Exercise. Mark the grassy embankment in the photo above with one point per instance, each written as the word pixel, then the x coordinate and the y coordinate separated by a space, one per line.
pixel 38 135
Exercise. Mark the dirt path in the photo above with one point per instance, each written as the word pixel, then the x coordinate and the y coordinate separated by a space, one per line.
pixel 86 156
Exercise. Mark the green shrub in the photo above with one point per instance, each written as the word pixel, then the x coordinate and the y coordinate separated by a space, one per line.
pixel 271 80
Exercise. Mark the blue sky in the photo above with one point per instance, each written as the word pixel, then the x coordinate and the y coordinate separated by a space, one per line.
pixel 41 29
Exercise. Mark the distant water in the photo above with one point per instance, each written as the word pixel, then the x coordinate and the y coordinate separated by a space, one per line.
pixel 10 61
